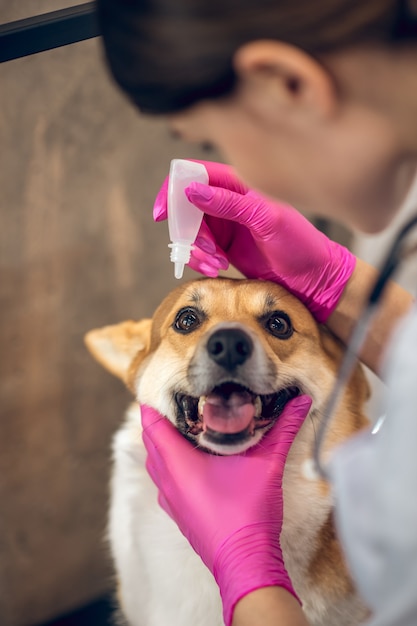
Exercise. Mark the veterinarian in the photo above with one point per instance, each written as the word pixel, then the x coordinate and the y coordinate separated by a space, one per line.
pixel 314 104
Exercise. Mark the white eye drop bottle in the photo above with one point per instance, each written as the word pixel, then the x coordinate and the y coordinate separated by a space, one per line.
pixel 184 219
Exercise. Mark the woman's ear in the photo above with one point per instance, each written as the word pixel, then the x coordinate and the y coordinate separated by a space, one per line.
pixel 288 76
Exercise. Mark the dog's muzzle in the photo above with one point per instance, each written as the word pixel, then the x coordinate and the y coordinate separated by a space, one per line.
pixel 231 413
pixel 229 347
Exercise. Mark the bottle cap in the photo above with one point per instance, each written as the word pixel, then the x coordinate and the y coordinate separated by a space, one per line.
pixel 180 256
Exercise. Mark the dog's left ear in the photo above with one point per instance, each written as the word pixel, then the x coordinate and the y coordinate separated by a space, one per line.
pixel 115 347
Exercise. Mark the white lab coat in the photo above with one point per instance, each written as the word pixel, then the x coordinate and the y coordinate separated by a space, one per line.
pixel 374 481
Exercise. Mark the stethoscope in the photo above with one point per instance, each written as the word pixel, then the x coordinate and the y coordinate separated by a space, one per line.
pixel 357 339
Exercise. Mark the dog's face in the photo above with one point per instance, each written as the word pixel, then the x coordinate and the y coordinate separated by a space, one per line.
pixel 221 358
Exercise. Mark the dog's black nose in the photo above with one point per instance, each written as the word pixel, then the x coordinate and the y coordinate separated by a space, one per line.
pixel 229 347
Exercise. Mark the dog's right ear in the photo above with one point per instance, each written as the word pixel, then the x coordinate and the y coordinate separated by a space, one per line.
pixel 115 347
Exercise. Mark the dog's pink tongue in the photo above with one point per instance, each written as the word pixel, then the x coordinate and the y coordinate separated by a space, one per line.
pixel 228 416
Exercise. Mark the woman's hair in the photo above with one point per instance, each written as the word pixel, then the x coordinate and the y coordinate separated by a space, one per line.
pixel 169 54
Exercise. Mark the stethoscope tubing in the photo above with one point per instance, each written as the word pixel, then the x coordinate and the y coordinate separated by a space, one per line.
pixel 357 340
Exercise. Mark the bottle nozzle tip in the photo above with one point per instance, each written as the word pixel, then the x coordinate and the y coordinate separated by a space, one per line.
pixel 179 270
pixel 180 255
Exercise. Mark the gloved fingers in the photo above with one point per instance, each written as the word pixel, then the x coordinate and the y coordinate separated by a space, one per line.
pixel 165 444
pixel 207 257
pixel 220 175
pixel 208 267
pixel 294 414
pixel 163 438
pixel 208 264
pixel 152 468
pixel 160 208
pixel 150 416
pixel 253 212
pixel 207 243
pixel 170 459
pixel 205 240
pixel 283 433
pixel 158 433
pixel 154 474
pixel 211 270
pixel 163 503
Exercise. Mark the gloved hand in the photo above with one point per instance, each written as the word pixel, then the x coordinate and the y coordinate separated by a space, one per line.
pixel 230 508
pixel 263 239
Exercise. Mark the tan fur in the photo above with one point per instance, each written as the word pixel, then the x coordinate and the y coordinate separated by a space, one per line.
pixel 151 354
pixel 115 347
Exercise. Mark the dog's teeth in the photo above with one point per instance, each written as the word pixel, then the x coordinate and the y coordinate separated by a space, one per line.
pixel 258 406
pixel 201 403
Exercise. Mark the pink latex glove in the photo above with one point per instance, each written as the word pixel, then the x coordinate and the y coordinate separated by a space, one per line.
pixel 230 508
pixel 263 239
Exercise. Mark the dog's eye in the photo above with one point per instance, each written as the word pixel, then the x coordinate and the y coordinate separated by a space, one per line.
pixel 279 325
pixel 187 320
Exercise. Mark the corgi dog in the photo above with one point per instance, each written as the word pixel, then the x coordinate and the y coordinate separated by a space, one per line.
pixel 220 359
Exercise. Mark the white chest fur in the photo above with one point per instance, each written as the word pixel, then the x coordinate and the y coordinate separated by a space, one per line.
pixel 162 581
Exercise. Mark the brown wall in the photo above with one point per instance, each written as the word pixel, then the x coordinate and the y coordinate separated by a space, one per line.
pixel 78 249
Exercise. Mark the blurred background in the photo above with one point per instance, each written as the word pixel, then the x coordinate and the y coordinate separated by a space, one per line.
pixel 78 249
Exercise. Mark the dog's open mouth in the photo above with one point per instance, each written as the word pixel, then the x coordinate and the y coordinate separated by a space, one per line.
pixel 231 413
